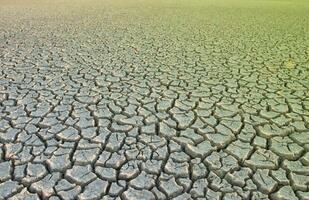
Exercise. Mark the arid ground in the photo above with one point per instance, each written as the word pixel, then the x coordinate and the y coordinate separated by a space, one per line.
pixel 149 100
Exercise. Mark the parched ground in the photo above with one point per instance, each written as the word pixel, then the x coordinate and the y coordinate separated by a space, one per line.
pixel 144 100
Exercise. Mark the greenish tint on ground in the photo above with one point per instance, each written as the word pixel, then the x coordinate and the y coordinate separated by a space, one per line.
pixel 146 100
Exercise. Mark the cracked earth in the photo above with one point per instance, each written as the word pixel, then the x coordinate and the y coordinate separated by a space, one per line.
pixel 140 100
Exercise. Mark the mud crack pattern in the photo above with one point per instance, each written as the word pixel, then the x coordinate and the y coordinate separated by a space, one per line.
pixel 154 100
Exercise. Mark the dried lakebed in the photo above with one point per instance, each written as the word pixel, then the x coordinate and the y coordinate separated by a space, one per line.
pixel 141 100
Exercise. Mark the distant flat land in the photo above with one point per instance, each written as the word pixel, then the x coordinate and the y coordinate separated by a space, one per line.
pixel 145 100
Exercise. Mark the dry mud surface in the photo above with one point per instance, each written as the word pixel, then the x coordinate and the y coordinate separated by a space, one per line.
pixel 145 100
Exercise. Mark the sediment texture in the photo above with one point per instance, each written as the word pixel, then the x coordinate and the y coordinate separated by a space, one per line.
pixel 154 100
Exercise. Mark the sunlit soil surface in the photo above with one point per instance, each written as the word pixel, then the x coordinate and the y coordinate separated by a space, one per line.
pixel 142 100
